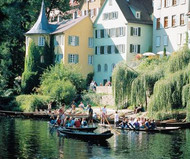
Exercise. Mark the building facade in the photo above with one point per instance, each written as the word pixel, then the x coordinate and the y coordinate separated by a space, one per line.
pixel 170 24
pixel 122 29
pixel 72 40
pixel 91 8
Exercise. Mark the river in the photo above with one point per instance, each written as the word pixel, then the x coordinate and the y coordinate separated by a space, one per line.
pixel 25 139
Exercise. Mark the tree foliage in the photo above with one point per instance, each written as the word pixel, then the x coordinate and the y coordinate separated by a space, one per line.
pixel 163 82
pixel 62 82
pixel 123 77
pixel 16 18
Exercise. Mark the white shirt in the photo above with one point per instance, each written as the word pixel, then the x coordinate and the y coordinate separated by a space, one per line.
pixel 116 118
pixel 104 110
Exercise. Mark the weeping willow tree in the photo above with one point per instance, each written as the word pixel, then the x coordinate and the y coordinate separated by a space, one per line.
pixel 179 60
pixel 123 77
pixel 142 86
pixel 167 93
pixel 186 99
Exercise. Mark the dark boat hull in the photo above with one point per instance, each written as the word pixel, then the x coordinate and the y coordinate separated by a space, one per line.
pixel 182 125
pixel 158 130
pixel 86 135
pixel 87 129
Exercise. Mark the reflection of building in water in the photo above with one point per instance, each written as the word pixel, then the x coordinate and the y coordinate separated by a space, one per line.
pixel 61 146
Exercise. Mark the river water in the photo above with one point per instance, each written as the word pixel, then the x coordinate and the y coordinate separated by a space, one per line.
pixel 25 139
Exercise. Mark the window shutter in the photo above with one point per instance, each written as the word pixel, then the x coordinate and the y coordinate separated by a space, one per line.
pixel 70 40
pixel 177 20
pixel 139 49
pixel 131 31
pixel 139 31
pixel 131 48
pixel 96 33
pixel 76 58
pixel 69 56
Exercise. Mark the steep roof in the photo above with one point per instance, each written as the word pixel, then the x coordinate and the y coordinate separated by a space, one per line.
pixel 42 26
pixel 67 25
pixel 143 6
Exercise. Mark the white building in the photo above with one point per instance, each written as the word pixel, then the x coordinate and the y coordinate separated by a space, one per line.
pixel 122 29
pixel 170 24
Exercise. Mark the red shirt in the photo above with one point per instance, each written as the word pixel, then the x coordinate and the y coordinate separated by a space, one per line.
pixel 77 123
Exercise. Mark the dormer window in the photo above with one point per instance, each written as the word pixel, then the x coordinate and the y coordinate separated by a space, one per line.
pixel 138 15
pixel 41 41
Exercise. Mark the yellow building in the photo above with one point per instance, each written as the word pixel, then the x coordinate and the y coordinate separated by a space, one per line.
pixel 91 8
pixel 73 40
pixel 73 43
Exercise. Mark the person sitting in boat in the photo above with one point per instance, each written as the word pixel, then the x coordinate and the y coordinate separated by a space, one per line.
pixel 62 109
pixel 152 124
pixel 142 123
pixel 84 123
pixel 81 105
pixel 72 121
pixel 147 124
pixel 52 119
pixel 123 123
pixel 67 122
pixel 136 124
pixel 131 122
pixel 62 118
pixel 77 123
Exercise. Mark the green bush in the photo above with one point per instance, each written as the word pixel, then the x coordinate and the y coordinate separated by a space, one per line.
pixel 59 90
pixel 92 98
pixel 28 103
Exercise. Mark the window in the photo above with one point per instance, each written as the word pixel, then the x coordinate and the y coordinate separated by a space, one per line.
pixel 91 12
pixel 97 50
pixel 101 49
pixel 41 41
pixel 74 40
pixel 90 59
pixel 58 58
pixel 165 40
pixel 158 23
pixel 165 22
pixel 102 33
pixel 134 48
pixel 182 1
pixel 182 22
pixel 158 38
pixel 109 49
pixel 110 16
pixel 42 59
pixel 166 3
pixel 174 2
pixel 90 42
pixel 138 15
pixel 97 34
pixel 135 31
pixel 121 48
pixel 120 31
pixel 159 4
pixel 73 58
pixel 99 68
pixel 105 68
pixel 173 21
pixel 112 67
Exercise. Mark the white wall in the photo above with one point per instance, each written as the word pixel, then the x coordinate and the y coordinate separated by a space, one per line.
pixel 171 32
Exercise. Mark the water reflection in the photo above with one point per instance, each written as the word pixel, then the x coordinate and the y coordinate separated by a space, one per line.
pixel 32 139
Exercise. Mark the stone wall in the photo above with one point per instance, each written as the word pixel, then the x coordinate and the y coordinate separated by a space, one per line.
pixel 108 98
pixel 104 89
